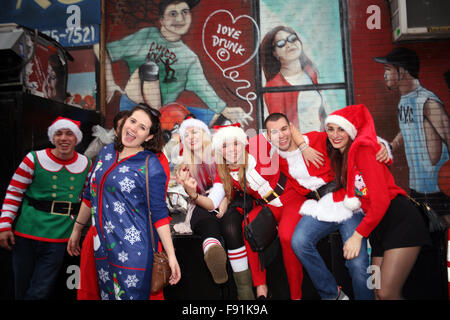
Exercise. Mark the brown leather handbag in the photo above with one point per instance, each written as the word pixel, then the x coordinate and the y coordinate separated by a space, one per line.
pixel 161 271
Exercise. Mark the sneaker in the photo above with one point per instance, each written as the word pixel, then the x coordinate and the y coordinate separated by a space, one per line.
pixel 341 295
pixel 216 260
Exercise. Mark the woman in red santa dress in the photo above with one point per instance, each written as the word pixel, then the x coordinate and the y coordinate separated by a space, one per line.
pixel 261 181
pixel 393 223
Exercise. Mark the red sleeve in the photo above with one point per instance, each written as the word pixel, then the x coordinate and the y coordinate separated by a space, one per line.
pixel 217 179
pixel 377 200
pixel 165 164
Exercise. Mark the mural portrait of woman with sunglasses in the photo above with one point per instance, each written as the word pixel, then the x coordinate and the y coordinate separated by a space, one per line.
pixel 286 64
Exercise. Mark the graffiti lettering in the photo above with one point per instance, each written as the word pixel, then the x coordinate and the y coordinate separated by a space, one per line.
pixel 373 22
pixel 233 33
pixel 227 44
pixel 405 114
pixel 158 52
pixel 235 47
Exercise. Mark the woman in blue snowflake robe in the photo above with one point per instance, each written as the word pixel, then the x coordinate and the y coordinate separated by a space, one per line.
pixel 122 244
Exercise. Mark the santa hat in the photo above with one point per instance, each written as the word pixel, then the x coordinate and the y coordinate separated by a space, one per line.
pixel 228 133
pixel 65 123
pixel 357 121
pixel 192 122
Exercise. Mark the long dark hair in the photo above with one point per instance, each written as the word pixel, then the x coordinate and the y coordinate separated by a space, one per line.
pixel 156 143
pixel 339 162
pixel 272 66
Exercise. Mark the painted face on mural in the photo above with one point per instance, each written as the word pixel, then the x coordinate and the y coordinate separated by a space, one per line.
pixel 391 76
pixel 279 134
pixel 286 46
pixel 176 21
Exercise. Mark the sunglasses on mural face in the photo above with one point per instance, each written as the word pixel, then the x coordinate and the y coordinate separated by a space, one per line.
pixel 291 38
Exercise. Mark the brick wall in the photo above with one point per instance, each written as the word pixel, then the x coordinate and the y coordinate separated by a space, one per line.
pixel 368 82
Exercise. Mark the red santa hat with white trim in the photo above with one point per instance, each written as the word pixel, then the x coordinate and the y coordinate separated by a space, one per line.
pixel 228 133
pixel 65 123
pixel 357 121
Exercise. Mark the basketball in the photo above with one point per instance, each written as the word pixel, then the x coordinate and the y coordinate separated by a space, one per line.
pixel 172 114
pixel 444 178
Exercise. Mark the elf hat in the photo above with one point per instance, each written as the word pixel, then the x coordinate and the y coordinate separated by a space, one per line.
pixel 357 121
pixel 228 133
pixel 65 123
pixel 192 122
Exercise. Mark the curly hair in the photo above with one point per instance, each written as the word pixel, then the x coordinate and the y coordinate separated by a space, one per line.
pixel 156 143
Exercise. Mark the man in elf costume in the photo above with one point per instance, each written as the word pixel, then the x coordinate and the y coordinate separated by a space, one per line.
pixel 46 187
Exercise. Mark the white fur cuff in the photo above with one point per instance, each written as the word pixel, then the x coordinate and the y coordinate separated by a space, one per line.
pixel 326 209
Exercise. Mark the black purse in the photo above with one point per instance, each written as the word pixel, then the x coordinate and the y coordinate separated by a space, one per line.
pixel 434 222
pixel 262 234
pixel 262 231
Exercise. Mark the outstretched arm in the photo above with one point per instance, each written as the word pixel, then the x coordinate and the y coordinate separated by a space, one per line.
pixel 309 154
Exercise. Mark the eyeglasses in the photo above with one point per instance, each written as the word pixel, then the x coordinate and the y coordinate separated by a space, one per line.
pixel 153 111
pixel 173 14
pixel 291 38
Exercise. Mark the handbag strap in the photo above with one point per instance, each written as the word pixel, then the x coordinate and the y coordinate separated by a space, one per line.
pixel 413 200
pixel 148 204
pixel 246 220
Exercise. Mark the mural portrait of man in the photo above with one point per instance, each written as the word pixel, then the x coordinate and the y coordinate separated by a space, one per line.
pixel 162 66
pixel 424 126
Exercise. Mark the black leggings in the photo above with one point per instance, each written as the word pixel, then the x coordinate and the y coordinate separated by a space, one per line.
pixel 232 228
pixel 228 229
pixel 205 224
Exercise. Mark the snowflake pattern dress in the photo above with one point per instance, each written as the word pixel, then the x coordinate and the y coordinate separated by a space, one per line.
pixel 117 197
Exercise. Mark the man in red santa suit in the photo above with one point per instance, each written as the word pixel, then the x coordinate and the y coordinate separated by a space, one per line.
pixel 265 184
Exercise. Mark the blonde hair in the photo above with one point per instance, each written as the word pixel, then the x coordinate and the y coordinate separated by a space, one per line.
pixel 204 170
pixel 224 172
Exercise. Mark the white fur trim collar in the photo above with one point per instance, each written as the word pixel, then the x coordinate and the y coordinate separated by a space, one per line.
pixel 51 163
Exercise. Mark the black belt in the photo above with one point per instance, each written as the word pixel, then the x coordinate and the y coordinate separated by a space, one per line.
pixel 64 208
pixel 323 190
pixel 275 193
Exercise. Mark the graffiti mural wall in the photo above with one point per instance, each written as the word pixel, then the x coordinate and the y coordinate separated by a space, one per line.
pixel 192 57
pixel 240 60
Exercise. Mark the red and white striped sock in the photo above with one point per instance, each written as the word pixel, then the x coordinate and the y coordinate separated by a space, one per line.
pixel 238 259
pixel 208 242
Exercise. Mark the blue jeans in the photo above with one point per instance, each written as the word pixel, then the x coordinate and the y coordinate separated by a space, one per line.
pixel 304 240
pixel 36 265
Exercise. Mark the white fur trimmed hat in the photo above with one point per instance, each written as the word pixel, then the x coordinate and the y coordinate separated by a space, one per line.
pixel 192 122
pixel 228 133
pixel 65 123
pixel 342 121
